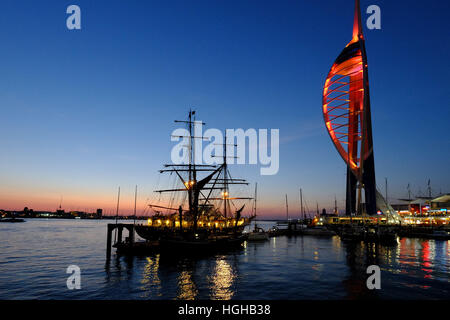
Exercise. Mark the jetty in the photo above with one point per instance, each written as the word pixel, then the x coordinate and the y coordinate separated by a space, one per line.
pixel 128 245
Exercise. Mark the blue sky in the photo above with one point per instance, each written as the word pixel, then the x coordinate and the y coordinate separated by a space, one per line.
pixel 86 111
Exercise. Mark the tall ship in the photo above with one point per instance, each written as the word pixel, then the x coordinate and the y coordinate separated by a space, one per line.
pixel 202 211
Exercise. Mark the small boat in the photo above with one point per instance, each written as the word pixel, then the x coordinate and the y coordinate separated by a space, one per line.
pixel 275 231
pixel 258 234
pixel 352 232
pixel 380 233
pixel 440 235
pixel 318 231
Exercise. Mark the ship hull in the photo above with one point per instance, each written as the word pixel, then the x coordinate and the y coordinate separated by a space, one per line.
pixel 182 246
pixel 151 233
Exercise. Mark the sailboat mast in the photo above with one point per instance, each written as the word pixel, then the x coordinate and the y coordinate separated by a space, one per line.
pixel 191 184
pixel 335 205
pixel 117 208
pixel 194 171
pixel 194 198
pixel 117 213
pixel 287 209
pixel 386 182
pixel 256 190
pixel 135 200
pixel 190 161
pixel 409 192
pixel 301 205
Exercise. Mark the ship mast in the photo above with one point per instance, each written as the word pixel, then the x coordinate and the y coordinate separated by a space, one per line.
pixel 225 178
pixel 195 187
pixel 117 212
pixel 335 205
pixel 191 165
pixel 135 200
pixel 256 191
pixel 301 205
pixel 287 209
pixel 192 186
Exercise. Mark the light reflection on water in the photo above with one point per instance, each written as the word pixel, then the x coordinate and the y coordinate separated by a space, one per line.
pixel 150 280
pixel 34 257
pixel 186 286
pixel 222 280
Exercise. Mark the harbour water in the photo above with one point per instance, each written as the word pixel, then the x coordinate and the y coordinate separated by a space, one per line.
pixel 34 257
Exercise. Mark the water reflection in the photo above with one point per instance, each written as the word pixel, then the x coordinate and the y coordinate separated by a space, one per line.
pixel 150 282
pixel 169 277
pixel 222 280
pixel 358 257
pixel 187 289
pixel 281 267
pixel 419 262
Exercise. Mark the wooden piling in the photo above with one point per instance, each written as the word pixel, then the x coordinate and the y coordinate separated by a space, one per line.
pixel 108 241
pixel 111 227
pixel 119 234
pixel 131 234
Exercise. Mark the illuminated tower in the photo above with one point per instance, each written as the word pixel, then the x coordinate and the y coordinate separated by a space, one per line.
pixel 346 111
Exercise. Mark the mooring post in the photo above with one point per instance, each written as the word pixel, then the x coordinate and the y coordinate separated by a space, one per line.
pixel 108 242
pixel 119 234
pixel 131 234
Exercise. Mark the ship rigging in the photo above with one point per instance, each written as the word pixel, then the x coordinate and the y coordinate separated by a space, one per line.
pixel 209 210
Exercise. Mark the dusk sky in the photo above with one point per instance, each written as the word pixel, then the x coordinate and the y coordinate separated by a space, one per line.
pixel 85 111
